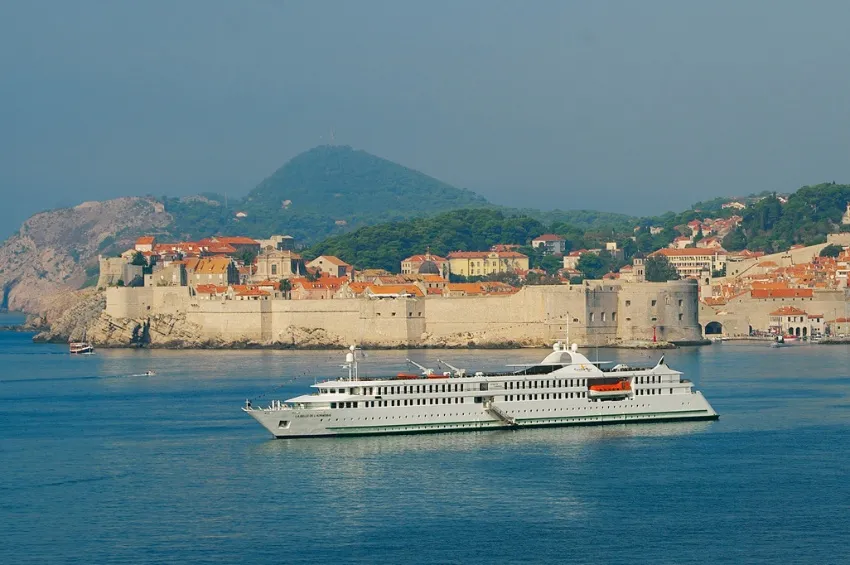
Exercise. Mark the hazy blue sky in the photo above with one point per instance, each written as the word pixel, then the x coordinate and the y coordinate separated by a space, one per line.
pixel 633 106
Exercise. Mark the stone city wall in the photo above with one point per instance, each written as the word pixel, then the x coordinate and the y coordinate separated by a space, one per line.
pixel 740 315
pixel 594 313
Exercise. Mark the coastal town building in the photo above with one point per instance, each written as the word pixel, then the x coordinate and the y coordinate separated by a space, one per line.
pixel 145 243
pixel 793 321
pixel 572 258
pixel 277 243
pixel 694 262
pixel 425 264
pixel 323 288
pixel 275 264
pixel 171 274
pixel 482 263
pixel 330 265
pixel 550 243
pixel 228 245
pixel 211 270
pixel 838 327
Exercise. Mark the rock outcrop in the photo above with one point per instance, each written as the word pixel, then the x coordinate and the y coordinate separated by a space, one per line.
pixel 56 252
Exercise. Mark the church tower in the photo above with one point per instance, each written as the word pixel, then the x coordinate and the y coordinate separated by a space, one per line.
pixel 845 219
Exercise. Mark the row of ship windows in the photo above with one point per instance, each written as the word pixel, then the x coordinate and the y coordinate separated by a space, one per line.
pixel 458 387
pixel 529 411
pixel 461 400
pixel 546 396
pixel 545 384
pixel 652 379
pixel 411 389
pixel 403 402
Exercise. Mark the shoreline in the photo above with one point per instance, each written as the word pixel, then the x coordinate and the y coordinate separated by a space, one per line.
pixel 250 345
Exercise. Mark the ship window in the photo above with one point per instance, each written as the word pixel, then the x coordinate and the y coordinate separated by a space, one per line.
pixel 333 404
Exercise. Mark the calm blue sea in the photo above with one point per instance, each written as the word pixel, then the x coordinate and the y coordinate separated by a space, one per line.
pixel 98 466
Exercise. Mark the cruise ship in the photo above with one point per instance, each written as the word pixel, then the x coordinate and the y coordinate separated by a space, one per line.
pixel 565 389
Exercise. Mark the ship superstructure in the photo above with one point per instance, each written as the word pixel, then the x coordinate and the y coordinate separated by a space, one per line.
pixel 564 389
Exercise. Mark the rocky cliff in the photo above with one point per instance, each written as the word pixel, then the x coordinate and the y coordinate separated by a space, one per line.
pixel 56 252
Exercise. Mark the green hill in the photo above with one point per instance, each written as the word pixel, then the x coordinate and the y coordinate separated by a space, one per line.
pixel 346 183
pixel 324 191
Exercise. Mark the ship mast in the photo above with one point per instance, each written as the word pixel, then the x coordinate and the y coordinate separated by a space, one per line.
pixel 351 363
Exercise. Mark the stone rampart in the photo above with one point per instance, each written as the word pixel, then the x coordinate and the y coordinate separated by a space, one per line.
pixel 742 314
pixel 594 313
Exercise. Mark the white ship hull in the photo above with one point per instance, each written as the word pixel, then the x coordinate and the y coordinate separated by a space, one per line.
pixel 298 423
pixel 564 390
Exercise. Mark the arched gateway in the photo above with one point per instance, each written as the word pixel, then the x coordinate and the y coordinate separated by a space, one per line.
pixel 713 328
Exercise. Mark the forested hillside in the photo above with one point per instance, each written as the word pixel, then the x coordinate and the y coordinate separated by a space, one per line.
pixel 810 214
pixel 385 245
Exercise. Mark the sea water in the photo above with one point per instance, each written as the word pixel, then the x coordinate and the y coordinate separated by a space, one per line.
pixel 99 464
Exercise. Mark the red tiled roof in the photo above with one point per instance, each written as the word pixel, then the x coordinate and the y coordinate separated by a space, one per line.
pixel 782 293
pixel 210 289
pixel 237 240
pixel 422 258
pixel 788 311
pixel 689 251
pixel 485 254
pixel 248 290
pixel 332 259
pixel 145 240
pixel 548 237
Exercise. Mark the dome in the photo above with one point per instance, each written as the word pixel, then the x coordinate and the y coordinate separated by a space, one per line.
pixel 429 268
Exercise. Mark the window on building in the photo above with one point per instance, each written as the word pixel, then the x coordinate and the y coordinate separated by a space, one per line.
pixel 654 302
pixel 613 316
pixel 681 302
pixel 681 317
pixel 603 316
pixel 591 316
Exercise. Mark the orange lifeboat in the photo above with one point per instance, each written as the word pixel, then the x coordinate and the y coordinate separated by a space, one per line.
pixel 402 376
pixel 616 387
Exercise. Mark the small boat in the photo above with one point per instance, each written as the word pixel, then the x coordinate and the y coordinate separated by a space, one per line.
pixel 81 348
pixel 149 373
pixel 620 388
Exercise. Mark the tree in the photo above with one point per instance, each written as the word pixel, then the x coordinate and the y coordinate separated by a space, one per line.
pixel 592 266
pixel 246 256
pixel 285 287
pixel 139 260
pixel 831 250
pixel 659 269
pixel 735 240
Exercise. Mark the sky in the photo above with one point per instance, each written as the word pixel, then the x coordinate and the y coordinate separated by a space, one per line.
pixel 633 107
